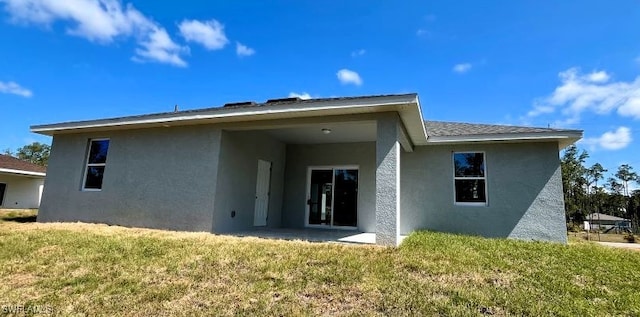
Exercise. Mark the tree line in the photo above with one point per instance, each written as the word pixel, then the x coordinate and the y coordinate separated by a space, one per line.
pixel 36 153
pixel 586 190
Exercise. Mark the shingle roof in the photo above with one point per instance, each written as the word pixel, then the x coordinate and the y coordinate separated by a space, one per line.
pixel 406 105
pixel 297 100
pixel 13 163
pixel 599 216
pixel 242 105
pixel 439 128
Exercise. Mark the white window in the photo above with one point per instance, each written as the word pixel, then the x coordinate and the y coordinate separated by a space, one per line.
pixel 96 163
pixel 470 178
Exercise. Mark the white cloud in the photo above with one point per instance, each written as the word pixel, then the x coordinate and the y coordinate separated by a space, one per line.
pixel 462 68
pixel 159 47
pixel 15 89
pixel 631 108
pixel 243 50
pixel 539 109
pixel 346 76
pixel 359 52
pixel 94 20
pixel 303 95
pixel 598 77
pixel 101 21
pixel 610 140
pixel 209 34
pixel 592 92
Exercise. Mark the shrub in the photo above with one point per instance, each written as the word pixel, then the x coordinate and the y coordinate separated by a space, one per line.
pixel 573 227
pixel 630 238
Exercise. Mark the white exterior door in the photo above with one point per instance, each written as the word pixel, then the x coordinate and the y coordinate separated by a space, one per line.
pixel 262 193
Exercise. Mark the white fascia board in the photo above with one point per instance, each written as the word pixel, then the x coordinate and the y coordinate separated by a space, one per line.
pixel 413 121
pixel 21 172
pixel 290 110
pixel 569 137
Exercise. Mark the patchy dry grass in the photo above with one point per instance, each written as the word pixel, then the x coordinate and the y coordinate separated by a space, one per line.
pixel 18 215
pixel 603 237
pixel 84 269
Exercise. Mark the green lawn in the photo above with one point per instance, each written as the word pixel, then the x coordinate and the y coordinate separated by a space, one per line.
pixel 82 269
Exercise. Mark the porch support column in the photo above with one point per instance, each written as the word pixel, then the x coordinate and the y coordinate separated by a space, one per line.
pixel 389 130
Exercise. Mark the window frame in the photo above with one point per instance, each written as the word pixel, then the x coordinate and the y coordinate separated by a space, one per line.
pixel 484 178
pixel 88 165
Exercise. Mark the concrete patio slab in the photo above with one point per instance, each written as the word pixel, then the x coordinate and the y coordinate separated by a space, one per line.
pixel 311 234
pixel 365 237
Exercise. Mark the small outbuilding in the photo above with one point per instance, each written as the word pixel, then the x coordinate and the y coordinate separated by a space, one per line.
pixel 21 183
pixel 602 221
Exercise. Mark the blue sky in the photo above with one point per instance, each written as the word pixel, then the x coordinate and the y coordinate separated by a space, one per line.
pixel 566 64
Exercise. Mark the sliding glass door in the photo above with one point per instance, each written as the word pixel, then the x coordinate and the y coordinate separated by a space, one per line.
pixel 333 197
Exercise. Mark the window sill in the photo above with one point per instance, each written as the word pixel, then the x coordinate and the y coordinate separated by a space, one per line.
pixel 471 204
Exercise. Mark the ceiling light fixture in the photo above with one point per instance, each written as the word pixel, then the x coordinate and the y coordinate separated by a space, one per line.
pixel 326 131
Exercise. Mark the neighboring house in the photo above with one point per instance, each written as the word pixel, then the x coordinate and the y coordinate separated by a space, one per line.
pixel 364 163
pixel 603 221
pixel 20 183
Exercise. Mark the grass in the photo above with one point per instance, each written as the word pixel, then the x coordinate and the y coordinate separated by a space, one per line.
pixel 604 237
pixel 84 269
pixel 18 215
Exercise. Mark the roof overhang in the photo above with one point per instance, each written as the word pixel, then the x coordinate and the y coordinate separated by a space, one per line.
pixel 564 138
pixel 605 217
pixel 22 173
pixel 407 106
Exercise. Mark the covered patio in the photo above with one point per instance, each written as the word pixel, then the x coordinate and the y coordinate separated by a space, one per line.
pixel 336 175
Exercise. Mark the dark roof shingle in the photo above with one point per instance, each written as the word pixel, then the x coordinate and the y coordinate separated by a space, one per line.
pixel 10 162
pixel 232 105
pixel 439 129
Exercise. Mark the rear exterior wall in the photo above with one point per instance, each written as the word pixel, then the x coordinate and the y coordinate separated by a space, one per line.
pixel 524 192
pixel 155 178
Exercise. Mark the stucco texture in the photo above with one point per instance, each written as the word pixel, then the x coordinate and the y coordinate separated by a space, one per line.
pixel 388 187
pixel 236 183
pixel 203 178
pixel 524 192
pixel 157 178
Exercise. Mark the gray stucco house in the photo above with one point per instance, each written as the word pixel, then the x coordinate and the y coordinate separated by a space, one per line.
pixel 370 164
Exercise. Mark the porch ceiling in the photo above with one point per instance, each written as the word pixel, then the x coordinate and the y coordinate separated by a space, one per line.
pixel 341 132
